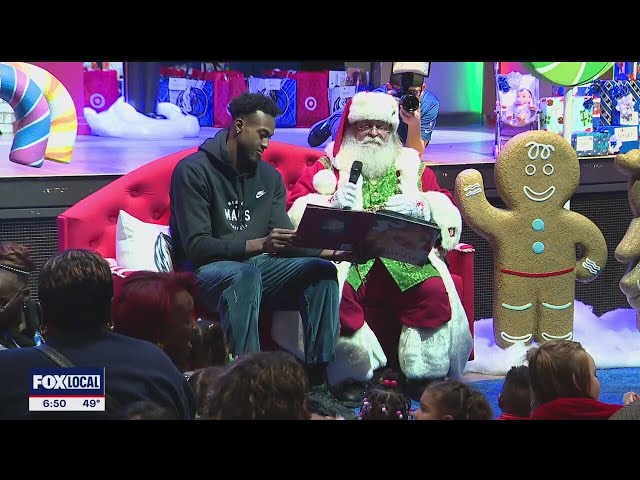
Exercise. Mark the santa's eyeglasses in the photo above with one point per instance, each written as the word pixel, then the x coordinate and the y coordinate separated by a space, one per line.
pixel 368 127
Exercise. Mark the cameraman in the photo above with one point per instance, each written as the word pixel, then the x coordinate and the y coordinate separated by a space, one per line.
pixel 415 127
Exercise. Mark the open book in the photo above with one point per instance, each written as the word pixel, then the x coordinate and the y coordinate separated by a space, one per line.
pixel 383 233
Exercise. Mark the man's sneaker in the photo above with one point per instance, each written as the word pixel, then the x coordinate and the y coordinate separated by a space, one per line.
pixel 350 392
pixel 323 403
pixel 319 133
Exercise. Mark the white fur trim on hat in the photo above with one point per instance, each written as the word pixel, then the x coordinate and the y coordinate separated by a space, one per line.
pixel 374 106
pixel 420 68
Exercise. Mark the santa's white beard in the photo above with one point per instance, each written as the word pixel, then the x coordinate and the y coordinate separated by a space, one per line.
pixel 376 155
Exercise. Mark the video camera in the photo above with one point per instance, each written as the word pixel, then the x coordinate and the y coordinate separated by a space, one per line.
pixel 408 100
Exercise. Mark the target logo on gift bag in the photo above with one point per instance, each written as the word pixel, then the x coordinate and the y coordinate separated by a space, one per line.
pixel 100 89
pixel 312 101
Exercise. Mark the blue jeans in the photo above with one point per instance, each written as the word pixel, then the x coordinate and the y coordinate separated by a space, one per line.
pixel 237 291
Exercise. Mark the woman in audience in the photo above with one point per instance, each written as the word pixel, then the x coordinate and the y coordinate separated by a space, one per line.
pixel 453 400
pixel 158 307
pixel 384 399
pixel 19 318
pixel 564 384
pixel 260 386
pixel 76 290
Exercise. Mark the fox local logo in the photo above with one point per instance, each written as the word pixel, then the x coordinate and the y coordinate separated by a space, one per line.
pixel 67 382
pixel 72 380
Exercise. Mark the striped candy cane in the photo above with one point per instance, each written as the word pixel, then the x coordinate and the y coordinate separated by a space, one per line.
pixel 33 119
pixel 64 120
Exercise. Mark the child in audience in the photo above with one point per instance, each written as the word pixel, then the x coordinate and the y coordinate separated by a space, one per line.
pixel 564 384
pixel 202 383
pixel 260 386
pixel 384 399
pixel 452 400
pixel 208 346
pixel 515 398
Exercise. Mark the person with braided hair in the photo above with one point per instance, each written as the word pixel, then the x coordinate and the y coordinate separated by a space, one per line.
pixel 17 326
pixel 385 399
pixel 453 400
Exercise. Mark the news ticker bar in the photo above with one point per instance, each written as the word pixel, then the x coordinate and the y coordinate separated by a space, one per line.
pixel 66 404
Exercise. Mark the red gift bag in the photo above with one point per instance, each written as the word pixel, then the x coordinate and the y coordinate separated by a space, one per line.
pixel 227 85
pixel 312 103
pixel 100 89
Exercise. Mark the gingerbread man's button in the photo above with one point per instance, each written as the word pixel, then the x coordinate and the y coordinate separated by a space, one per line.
pixel 538 247
pixel 538 225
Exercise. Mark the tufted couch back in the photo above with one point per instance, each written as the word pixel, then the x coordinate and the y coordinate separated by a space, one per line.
pixel 144 193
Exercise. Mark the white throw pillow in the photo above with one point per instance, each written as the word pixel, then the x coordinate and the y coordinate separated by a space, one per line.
pixel 141 245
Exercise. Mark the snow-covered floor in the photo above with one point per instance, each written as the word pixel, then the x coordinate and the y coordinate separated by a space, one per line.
pixel 612 339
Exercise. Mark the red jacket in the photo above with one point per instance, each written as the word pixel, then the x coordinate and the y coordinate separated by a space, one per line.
pixel 574 409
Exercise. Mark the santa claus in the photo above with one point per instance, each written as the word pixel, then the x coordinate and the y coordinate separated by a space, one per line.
pixel 435 341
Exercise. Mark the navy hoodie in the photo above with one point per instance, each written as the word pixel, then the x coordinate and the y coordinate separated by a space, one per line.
pixel 215 208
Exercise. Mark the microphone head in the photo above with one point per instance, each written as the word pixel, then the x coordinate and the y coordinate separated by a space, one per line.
pixel 356 170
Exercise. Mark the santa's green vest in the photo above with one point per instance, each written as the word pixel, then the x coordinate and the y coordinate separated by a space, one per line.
pixel 375 194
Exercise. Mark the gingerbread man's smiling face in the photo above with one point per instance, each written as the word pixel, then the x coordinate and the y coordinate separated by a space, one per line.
pixel 537 169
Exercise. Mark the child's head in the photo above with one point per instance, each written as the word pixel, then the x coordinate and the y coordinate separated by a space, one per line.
pixel 384 400
pixel 157 307
pixel 515 397
pixel 208 345
pixel 260 386
pixel 202 383
pixel 561 369
pixel 523 97
pixel 453 400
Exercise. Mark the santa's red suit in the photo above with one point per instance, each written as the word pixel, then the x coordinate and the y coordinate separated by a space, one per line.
pixel 435 340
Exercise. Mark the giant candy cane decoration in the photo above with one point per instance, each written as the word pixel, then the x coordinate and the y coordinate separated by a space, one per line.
pixel 64 120
pixel 33 118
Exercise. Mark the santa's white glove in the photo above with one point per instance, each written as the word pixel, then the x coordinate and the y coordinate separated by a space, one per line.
pixel 407 205
pixel 345 196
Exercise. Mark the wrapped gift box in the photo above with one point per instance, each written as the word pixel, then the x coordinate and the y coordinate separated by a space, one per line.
pixel 609 91
pixel 194 97
pixel 622 139
pixel 581 91
pixel 591 144
pixel 283 92
pixel 627 69
pixel 552 115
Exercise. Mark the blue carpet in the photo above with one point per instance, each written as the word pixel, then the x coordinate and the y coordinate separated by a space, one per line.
pixel 614 383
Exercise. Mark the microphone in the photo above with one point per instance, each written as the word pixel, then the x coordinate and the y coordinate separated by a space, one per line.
pixel 356 170
pixel 354 175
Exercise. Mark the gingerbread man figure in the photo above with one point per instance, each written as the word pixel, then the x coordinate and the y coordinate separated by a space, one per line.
pixel 628 250
pixel 534 238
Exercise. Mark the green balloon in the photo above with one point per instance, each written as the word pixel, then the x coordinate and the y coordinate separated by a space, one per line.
pixel 569 74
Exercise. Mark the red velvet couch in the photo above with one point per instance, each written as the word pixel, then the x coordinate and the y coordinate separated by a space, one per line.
pixel 144 193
